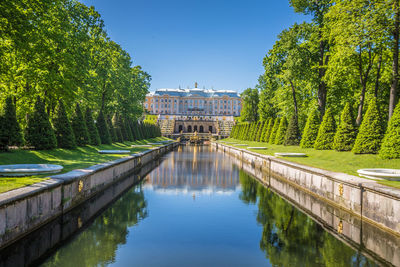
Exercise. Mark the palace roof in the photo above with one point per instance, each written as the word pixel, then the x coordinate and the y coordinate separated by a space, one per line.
pixel 194 92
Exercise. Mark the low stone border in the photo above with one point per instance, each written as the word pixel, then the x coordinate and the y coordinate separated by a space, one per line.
pixel 27 208
pixel 375 203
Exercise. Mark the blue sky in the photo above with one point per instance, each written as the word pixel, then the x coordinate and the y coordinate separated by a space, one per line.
pixel 220 44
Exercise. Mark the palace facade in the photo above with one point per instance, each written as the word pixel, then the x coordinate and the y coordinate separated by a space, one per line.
pixel 193 102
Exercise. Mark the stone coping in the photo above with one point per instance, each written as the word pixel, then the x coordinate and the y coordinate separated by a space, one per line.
pixel 336 176
pixel 65 178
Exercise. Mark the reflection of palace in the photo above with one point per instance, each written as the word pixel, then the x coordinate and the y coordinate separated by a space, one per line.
pixel 180 172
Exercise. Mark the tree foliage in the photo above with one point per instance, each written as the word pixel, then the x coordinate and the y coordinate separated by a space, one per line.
pixel 391 143
pixel 62 128
pixel 326 132
pixel 371 132
pixel 346 132
pixel 310 132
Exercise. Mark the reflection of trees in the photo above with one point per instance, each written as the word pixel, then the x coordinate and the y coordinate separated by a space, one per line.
pixel 291 238
pixel 96 246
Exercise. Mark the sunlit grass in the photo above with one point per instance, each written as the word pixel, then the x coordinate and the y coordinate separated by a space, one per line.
pixel 70 159
pixel 330 160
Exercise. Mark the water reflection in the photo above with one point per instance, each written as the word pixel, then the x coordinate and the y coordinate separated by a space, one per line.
pixel 195 168
pixel 228 219
pixel 291 238
pixel 97 245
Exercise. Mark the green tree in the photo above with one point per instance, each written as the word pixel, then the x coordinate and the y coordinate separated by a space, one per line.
pixel 12 129
pixel 250 99
pixel 371 132
pixel 94 137
pixel 280 134
pixel 274 131
pixel 103 129
pixel 39 132
pixel 267 131
pixel 259 131
pixel 79 127
pixel 391 143
pixel 292 136
pixel 112 130
pixel 117 126
pixel 310 132
pixel 326 132
pixel 62 128
pixel 346 132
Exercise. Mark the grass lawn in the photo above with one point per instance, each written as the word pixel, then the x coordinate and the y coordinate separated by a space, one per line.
pixel 331 160
pixel 81 157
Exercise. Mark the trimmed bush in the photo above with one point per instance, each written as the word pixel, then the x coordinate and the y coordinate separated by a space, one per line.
pixel 280 134
pixel 268 130
pixel 346 132
pixel 292 136
pixel 259 131
pixel 102 128
pixel 62 128
pixel 39 132
pixel 111 129
pixel 3 135
pixel 79 127
pixel 310 132
pixel 94 138
pixel 12 129
pixel 326 132
pixel 391 143
pixel 274 130
pixel 128 130
pixel 117 127
pixel 370 135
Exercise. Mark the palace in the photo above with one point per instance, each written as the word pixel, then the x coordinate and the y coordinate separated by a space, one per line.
pixel 185 112
pixel 192 102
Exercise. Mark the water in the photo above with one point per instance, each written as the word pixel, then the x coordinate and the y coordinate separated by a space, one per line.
pixel 198 209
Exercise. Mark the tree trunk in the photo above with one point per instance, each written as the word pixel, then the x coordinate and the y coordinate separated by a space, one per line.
pixel 363 81
pixel 322 88
pixel 378 75
pixel 296 111
pixel 395 65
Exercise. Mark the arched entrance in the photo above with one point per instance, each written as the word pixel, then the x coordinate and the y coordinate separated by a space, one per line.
pixel 180 128
pixel 201 130
pixel 210 129
pixel 195 128
pixel 189 129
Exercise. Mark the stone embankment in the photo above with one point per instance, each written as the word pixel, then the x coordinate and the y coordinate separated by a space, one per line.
pixel 25 209
pixel 371 202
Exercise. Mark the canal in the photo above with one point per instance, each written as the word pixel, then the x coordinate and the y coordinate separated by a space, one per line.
pixel 198 208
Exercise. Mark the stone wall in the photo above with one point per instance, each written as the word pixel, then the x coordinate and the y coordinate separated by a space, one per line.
pixel 25 209
pixel 377 204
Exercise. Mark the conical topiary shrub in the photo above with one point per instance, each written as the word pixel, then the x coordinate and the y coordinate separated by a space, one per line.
pixel 268 130
pixel 310 132
pixel 391 143
pixel 117 127
pixel 94 138
pixel 346 132
pixel 326 132
pixel 280 134
pixel 259 131
pixel 102 128
pixel 12 129
pixel 62 128
pixel 128 130
pixel 39 132
pixel 370 135
pixel 79 127
pixel 274 131
pixel 292 136
pixel 3 135
pixel 111 129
